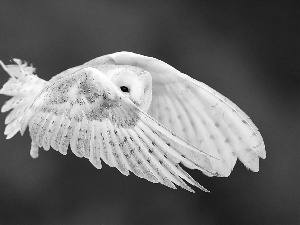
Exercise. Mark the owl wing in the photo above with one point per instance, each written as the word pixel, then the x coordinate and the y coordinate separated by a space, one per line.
pixel 86 111
pixel 198 114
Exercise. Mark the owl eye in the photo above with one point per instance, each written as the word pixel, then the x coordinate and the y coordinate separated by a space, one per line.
pixel 124 89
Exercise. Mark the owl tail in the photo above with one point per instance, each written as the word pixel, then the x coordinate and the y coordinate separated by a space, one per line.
pixel 23 85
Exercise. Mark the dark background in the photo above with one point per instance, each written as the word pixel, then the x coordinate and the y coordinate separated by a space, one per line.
pixel 247 50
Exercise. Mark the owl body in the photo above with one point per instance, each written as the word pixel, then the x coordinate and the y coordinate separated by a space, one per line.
pixel 135 113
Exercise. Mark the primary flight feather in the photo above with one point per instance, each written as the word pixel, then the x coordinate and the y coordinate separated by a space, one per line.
pixel 135 113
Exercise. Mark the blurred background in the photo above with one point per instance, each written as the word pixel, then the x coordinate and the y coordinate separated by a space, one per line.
pixel 247 50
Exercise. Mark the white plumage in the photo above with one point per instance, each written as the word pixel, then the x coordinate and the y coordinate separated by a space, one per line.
pixel 135 113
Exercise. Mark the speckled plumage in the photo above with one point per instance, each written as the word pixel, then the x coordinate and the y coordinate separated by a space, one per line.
pixel 161 118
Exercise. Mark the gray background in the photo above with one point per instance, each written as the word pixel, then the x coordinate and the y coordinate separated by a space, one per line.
pixel 247 50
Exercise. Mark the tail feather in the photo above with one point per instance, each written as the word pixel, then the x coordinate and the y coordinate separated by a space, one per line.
pixel 23 85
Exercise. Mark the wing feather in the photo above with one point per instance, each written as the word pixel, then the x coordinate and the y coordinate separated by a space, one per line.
pixel 87 139
pixel 81 137
pixel 226 129
pixel 13 103
pixel 95 157
pixel 153 162
pixel 36 124
pixel 115 149
pixel 137 162
pixel 120 140
pixel 12 128
pixel 101 143
pixel 42 130
pixel 173 113
pixel 107 151
pixel 216 133
pixel 44 137
pixel 15 113
pixel 74 138
pixel 161 172
pixel 61 135
pixel 183 117
pixel 28 113
pixel 55 134
pixel 206 136
pixel 67 135
pixel 136 154
pixel 130 153
pixel 163 161
pixel 184 148
pixel 52 128
pixel 150 143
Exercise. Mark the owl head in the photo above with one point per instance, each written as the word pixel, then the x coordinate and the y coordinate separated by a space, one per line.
pixel 134 83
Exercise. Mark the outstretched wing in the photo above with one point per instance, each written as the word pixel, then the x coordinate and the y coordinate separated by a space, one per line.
pixel 197 113
pixel 86 111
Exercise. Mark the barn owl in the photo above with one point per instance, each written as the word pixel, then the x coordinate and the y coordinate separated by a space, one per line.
pixel 135 113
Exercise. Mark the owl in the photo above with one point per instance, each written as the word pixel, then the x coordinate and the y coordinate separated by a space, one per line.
pixel 135 113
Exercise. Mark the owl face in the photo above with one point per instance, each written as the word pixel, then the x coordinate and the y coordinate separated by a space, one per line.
pixel 136 84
